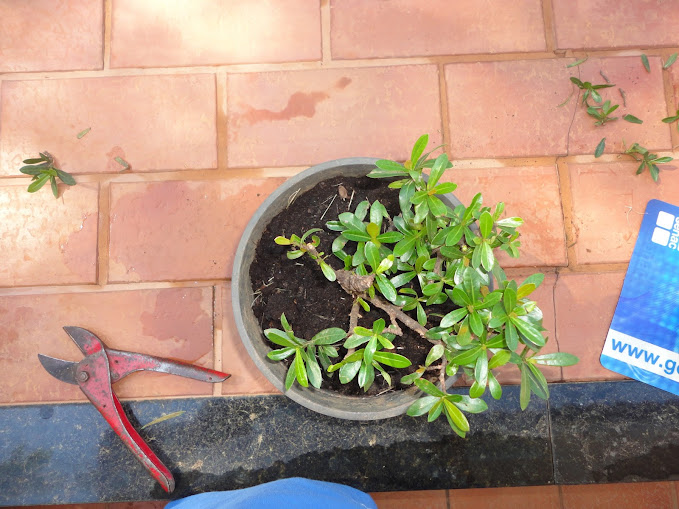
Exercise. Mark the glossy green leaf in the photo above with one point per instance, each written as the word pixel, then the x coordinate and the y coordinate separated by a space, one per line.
pixel 445 187
pixel 282 353
pixel 122 162
pixel 55 190
pixel 511 336
pixel 418 148
pixel 38 183
pixel 577 62
pixel 290 376
pixel 329 336
pixel 436 206
pixel 372 255
pixel 556 359
pixel 528 331
pixel 282 241
pixel 437 170
pixel 300 369
pixel 386 168
pixel 434 354
pixel 356 235
pixel 486 256
pixel 538 381
pixel 385 287
pixel 481 369
pixel 494 386
pixel 435 411
pixel 524 395
pixel 278 337
pixel 328 272
pixel 600 148
pixel 644 60
pixel 349 371
pixel 390 237
pixel 486 224
pixel 422 406
pixel 453 317
pixel 366 376
pixel 429 388
pixel 475 324
pixel 499 359
pixel 313 371
pixel 391 359
pixel 456 415
pixel 467 357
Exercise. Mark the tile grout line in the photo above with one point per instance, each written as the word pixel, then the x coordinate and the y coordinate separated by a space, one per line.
pixel 445 121
pixel 674 493
pixel 551 439
pixel 332 64
pixel 222 125
pixel 217 313
pixel 668 88
pixel 107 34
pixel 103 230
pixel 567 211
pixel 561 503
pixel 448 506
pixel 326 26
pixel 11 291
pixel 548 19
pixel 556 325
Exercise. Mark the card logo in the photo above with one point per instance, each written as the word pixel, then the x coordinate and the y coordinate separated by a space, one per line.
pixel 666 231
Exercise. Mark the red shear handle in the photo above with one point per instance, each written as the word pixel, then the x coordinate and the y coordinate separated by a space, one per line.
pixel 94 378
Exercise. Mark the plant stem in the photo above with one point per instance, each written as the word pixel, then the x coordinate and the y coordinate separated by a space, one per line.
pixel 395 312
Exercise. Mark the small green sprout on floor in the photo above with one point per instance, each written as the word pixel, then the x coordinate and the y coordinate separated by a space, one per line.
pixel 43 169
pixel 407 265
pixel 647 160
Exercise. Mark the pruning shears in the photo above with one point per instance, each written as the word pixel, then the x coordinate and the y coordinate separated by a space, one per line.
pixel 102 367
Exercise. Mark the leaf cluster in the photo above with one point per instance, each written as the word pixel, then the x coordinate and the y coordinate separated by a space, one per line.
pixel 43 170
pixel 647 160
pixel 428 254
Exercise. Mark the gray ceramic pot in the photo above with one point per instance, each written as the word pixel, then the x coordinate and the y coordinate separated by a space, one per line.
pixel 322 401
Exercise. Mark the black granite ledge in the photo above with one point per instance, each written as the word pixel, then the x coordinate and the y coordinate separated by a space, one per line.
pixel 591 432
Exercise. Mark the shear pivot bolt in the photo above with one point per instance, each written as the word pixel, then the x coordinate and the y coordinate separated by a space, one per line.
pixel 83 376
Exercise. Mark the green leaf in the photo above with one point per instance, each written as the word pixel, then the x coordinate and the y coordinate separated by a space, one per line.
pixel 278 337
pixel 391 359
pixel 385 287
pixel 124 164
pixel 577 62
pixel 349 371
pixel 435 411
pixel 35 160
pixel 386 168
pixel 487 256
pixel 579 83
pixel 385 264
pixel 356 235
pixel 481 370
pixel 313 371
pixel 525 290
pixel 511 336
pixel 282 241
pixel 644 60
pixel 83 132
pixel 467 356
pixel 422 406
pixel 437 170
pixel 456 416
pixel 300 369
pixel 453 317
pixel 38 183
pixel 282 353
pixel 418 149
pixel 556 359
pixel 329 336
pixel 290 376
pixel 475 324
pixel 662 160
pixel 600 148
pixel 328 272
pixel 445 188
pixel 434 354
pixel 494 386
pixel 370 349
pixel 366 376
pixel 486 224
pixel 436 206
pixel 524 397
pixel 32 170
pixel 499 359
pixel 467 404
pixel 509 297
pixel 632 119
pixel 667 120
pixel 538 381
pixel 672 58
pixel 528 331
pixel 429 388
pixel 55 190
pixel 476 390
pixel 402 278
pixel 390 237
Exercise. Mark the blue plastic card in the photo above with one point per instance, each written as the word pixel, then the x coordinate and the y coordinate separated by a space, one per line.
pixel 643 341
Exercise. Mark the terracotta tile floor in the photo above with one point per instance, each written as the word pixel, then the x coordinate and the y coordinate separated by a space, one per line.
pixel 218 101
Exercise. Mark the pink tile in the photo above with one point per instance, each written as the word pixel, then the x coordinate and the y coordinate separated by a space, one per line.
pixel 531 193
pixel 609 200
pixel 585 304
pixel 155 33
pixel 43 35
pixel 180 230
pixel 48 241
pixel 614 23
pixel 246 378
pixel 618 496
pixel 174 323
pixel 405 28
pixel 152 122
pixel 674 79
pixel 509 108
pixel 307 117
pixel 645 99
pixel 524 497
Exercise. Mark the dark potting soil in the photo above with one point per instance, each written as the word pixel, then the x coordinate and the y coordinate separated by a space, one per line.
pixel 299 289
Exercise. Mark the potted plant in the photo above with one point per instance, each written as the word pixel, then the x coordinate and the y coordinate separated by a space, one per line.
pixel 374 312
